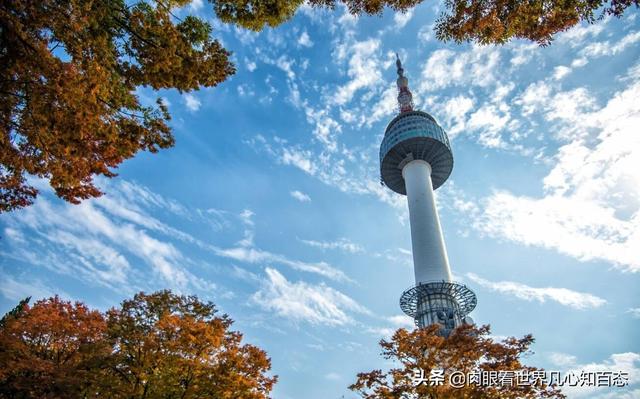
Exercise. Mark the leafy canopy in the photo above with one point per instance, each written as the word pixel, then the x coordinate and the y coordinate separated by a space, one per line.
pixel 70 68
pixel 467 349
pixel 159 345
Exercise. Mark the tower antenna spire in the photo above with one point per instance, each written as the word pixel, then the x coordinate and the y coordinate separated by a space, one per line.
pixel 405 98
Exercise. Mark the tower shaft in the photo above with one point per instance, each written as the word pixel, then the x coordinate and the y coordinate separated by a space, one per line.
pixel 430 259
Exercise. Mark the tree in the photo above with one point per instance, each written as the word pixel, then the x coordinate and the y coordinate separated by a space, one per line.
pixel 70 68
pixel 174 346
pixel 498 21
pixel 156 345
pixel 467 349
pixel 15 312
pixel 50 350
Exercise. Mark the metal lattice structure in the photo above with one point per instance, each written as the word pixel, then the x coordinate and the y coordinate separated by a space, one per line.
pixel 424 302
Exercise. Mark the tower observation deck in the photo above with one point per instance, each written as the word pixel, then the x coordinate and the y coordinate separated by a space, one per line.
pixel 416 159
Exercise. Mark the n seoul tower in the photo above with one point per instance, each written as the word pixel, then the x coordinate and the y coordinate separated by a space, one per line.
pixel 416 159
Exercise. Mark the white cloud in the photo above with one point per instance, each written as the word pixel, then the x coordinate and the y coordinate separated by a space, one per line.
pixel 402 18
pixel 566 297
pixel 426 33
pixel 599 49
pixel 635 312
pixel 522 53
pixel 569 106
pixel 402 321
pixel 191 102
pixel 628 362
pixel 96 237
pixel 244 90
pixel 305 40
pixel 579 62
pixel 245 36
pixel 386 106
pixel 329 168
pixel 454 110
pixel 560 72
pixel 254 255
pixel 562 359
pixel 444 68
pixel 364 69
pixel 326 128
pixel 333 376
pixel 617 394
pixel 251 65
pixel 286 64
pixel 299 301
pixel 534 97
pixel 246 217
pixel 298 158
pixel 489 121
pixel 14 235
pixel 16 290
pixel 591 209
pixel 575 36
pixel 578 228
pixel 246 251
pixel 385 332
pixel 196 5
pixel 300 196
pixel 341 244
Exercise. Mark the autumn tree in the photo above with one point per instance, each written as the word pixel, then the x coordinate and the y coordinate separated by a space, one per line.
pixel 498 21
pixel 423 353
pixel 69 71
pixel 50 350
pixel 167 345
pixel 159 345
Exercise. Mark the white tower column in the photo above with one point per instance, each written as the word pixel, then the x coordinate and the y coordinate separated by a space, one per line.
pixel 429 252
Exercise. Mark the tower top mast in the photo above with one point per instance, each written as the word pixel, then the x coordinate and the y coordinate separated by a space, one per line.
pixel 405 98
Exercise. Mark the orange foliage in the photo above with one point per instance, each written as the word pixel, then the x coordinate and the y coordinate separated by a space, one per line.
pixel 467 349
pixel 68 108
pixel 157 345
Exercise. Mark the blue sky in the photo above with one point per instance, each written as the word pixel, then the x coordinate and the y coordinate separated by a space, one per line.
pixel 270 205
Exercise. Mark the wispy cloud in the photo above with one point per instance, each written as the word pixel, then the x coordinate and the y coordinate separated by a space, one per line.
pixel 247 252
pixel 446 68
pixel 300 196
pixel 628 362
pixel 196 5
pixel 591 208
pixel 599 49
pixel 342 244
pixel 18 289
pixel 364 69
pixel 258 256
pixel 635 312
pixel 191 102
pixel 303 302
pixel 402 18
pixel 304 40
pixel 562 359
pixel 401 321
pixel 564 296
pixel 97 243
